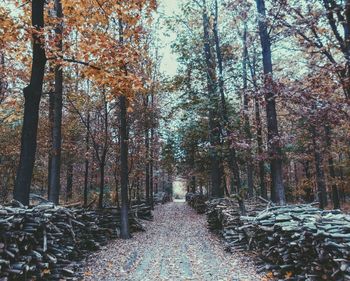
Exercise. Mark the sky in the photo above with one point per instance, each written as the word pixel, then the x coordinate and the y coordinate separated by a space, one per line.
pixel 167 8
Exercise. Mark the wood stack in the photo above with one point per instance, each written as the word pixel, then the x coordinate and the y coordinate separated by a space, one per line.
pixel 142 211
pixel 301 242
pixel 47 242
pixel 297 242
pixel 223 216
pixel 197 201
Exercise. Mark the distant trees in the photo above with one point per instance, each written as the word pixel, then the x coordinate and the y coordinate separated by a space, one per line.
pixel 95 111
pixel 285 63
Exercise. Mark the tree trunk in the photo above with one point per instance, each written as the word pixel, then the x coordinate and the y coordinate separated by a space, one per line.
pixel 87 148
pixel 51 120
pixel 147 166
pixel 193 184
pixel 124 175
pixel 214 134
pixel 32 95
pixel 309 197
pixel 232 158
pixel 55 175
pixel 102 183
pixel 69 186
pixel 125 233
pixel 335 192
pixel 248 134
pixel 320 179
pixel 259 135
pixel 152 154
pixel 278 192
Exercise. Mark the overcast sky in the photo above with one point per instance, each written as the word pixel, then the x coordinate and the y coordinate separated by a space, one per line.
pixel 169 64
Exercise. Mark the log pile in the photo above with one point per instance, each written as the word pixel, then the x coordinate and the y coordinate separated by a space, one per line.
pixel 301 242
pixel 197 201
pixel 296 242
pixel 224 218
pixel 48 242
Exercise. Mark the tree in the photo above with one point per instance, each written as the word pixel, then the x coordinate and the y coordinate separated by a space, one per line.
pixel 214 133
pixel 124 173
pixel 278 193
pixel 55 161
pixel 32 95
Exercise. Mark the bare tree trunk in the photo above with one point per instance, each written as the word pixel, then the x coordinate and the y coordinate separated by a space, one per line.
pixel 102 183
pixel 278 192
pixel 147 167
pixel 232 155
pixel 147 156
pixel 249 162
pixel 55 175
pixel 124 175
pixel 214 135
pixel 335 192
pixel 259 135
pixel 152 153
pixel 87 148
pixel 51 120
pixel 309 197
pixel 125 232
pixel 69 185
pixel 32 96
pixel 320 179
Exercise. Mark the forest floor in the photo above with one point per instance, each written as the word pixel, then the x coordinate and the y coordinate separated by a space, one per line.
pixel 176 246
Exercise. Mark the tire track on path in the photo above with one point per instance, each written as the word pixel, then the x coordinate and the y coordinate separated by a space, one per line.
pixel 176 246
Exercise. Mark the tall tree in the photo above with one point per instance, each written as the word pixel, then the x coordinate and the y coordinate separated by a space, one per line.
pixel 124 172
pixel 32 97
pixel 278 192
pixel 225 126
pixel 247 129
pixel 55 164
pixel 214 134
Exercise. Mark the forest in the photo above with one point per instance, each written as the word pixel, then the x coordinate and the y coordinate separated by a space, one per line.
pixel 107 106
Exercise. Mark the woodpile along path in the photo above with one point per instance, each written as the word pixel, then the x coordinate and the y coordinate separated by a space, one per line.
pixel 176 246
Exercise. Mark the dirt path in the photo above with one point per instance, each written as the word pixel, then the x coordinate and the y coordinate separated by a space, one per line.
pixel 176 246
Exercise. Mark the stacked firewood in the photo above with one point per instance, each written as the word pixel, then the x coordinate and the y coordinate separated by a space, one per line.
pixel 301 242
pixel 197 201
pixel 141 211
pixel 297 242
pixel 224 218
pixel 47 242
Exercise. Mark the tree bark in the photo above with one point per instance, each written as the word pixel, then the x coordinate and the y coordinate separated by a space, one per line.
pixel 69 185
pixel 335 192
pixel 214 134
pixel 55 175
pixel 278 192
pixel 87 148
pixel 104 152
pixel 125 232
pixel 51 120
pixel 102 182
pixel 32 95
pixel 320 178
pixel 147 167
pixel 124 175
pixel 249 161
pixel 151 183
pixel 309 197
pixel 259 135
